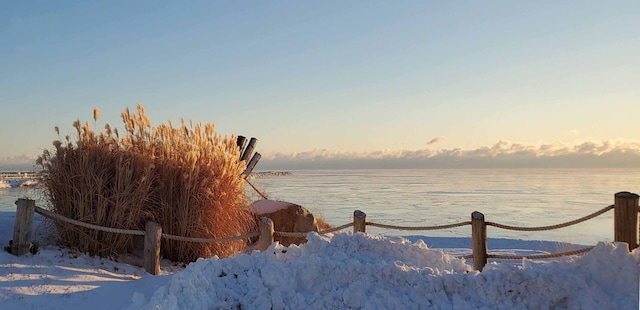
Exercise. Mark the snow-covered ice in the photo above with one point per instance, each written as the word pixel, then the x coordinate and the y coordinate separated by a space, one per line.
pixel 268 206
pixel 343 271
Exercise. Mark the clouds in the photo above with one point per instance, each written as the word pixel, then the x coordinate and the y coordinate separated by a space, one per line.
pixel 435 140
pixel 617 153
pixel 18 163
pixel 503 154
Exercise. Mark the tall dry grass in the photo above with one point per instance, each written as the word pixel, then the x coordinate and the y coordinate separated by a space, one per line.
pixel 186 178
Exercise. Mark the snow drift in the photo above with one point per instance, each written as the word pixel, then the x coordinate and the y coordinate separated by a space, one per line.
pixel 373 272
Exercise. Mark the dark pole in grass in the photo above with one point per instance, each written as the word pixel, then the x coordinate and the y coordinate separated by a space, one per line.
pixel 241 141
pixel 252 164
pixel 249 149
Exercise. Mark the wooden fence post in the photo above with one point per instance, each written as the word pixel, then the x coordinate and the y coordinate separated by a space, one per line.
pixel 22 227
pixel 249 149
pixel 478 240
pixel 359 222
pixel 152 240
pixel 266 233
pixel 241 141
pixel 626 219
pixel 252 164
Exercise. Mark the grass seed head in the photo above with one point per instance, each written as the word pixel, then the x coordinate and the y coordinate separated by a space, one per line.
pixel 96 114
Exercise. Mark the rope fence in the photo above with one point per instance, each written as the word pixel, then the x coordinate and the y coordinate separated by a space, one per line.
pixel 211 240
pixel 304 234
pixel 58 217
pixel 419 227
pixel 534 256
pixel 331 230
pixel 542 256
pixel 256 189
pixel 625 230
pixel 551 227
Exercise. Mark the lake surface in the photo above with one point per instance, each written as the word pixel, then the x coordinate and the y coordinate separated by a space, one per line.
pixel 518 197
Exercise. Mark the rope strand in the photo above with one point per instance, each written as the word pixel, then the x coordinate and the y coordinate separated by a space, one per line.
pixel 541 256
pixel 304 234
pixel 550 227
pixel 256 189
pixel 55 216
pixel 211 240
pixel 419 227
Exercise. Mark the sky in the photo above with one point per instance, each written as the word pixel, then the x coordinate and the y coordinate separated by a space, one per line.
pixel 336 84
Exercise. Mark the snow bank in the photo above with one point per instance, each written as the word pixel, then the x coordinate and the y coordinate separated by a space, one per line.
pixel 268 206
pixel 374 272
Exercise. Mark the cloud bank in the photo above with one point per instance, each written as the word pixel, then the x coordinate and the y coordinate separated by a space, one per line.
pixel 503 154
pixel 21 163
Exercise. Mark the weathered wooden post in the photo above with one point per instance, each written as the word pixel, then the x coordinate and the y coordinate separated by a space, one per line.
pixel 626 219
pixel 249 149
pixel 23 226
pixel 266 233
pixel 152 239
pixel 359 222
pixel 252 164
pixel 478 240
pixel 241 141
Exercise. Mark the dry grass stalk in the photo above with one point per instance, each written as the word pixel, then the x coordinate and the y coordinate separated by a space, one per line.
pixel 184 178
pixel 322 224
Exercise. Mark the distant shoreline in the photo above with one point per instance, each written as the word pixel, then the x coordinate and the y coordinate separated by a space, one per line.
pixel 265 174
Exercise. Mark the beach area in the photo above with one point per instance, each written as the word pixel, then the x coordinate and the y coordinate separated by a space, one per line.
pixel 341 271
pixel 319 155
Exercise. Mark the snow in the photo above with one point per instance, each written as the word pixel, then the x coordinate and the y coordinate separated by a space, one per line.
pixel 342 271
pixel 268 206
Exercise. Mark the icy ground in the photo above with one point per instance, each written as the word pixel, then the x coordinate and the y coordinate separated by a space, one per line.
pixel 343 271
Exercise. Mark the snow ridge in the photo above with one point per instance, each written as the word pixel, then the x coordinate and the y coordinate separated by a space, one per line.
pixel 374 272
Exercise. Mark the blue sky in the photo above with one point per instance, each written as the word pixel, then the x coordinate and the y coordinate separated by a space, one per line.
pixel 335 82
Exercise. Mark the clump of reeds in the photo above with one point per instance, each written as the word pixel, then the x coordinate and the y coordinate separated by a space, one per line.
pixel 186 178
